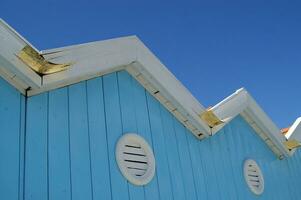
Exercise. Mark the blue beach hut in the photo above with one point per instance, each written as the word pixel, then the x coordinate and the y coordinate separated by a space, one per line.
pixel 107 120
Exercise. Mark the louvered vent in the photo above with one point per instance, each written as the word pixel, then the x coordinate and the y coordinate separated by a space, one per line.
pixel 135 159
pixel 253 177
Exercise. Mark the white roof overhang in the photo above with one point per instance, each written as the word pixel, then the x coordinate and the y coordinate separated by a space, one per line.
pixel 242 103
pixel 129 53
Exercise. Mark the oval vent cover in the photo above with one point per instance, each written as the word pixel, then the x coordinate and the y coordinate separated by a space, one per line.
pixel 135 159
pixel 253 177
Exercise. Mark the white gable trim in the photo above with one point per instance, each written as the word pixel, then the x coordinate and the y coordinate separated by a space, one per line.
pixel 294 131
pixel 129 53
pixel 12 69
pixel 98 58
pixel 242 103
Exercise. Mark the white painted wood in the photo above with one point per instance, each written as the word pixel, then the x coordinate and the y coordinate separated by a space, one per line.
pixel 162 78
pixel 294 131
pixel 135 159
pixel 87 61
pixel 10 78
pixel 253 177
pixel 11 44
pixel 232 105
pixel 98 58
pixel 187 109
pixel 267 125
pixel 241 102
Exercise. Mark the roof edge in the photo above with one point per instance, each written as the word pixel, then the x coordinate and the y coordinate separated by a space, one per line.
pixel 242 103
pixel 12 68
pixel 98 58
pixel 294 132
pixel 95 59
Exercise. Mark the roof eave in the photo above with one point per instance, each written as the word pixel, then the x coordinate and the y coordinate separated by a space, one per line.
pixel 12 68
pixel 98 58
pixel 129 53
pixel 242 103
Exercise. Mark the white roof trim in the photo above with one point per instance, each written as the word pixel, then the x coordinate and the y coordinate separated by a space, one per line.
pixel 294 132
pixel 241 102
pixel 129 53
pixel 98 58
pixel 14 70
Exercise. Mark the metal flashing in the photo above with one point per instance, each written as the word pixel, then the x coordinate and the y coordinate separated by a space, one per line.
pixel 12 68
pixel 210 118
pixel 292 144
pixel 37 62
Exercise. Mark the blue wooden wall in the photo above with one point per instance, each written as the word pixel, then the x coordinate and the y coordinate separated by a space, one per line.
pixel 12 105
pixel 71 135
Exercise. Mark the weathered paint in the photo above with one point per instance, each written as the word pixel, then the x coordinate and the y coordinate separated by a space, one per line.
pixel 12 105
pixel 71 135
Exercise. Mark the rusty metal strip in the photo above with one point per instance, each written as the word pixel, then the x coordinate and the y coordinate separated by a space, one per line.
pixel 38 63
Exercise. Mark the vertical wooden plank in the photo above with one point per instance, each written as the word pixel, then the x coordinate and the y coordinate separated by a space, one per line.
pixel 58 146
pixel 229 142
pixel 22 147
pixel 185 160
pixel 276 185
pixel 292 178
pixel 237 163
pixel 151 190
pixel 227 168
pixel 298 172
pixel 289 176
pixel 296 169
pixel 173 155
pixel 163 173
pixel 197 166
pixel 219 167
pixel 285 176
pixel 205 155
pixel 98 140
pixel 36 180
pixel 10 112
pixel 128 119
pixel 79 143
pixel 119 186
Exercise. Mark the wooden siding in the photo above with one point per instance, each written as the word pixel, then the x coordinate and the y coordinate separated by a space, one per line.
pixel 12 105
pixel 71 135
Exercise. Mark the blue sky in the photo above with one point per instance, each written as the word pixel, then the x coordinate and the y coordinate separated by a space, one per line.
pixel 213 47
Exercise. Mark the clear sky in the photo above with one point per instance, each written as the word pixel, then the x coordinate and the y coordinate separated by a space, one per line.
pixel 212 48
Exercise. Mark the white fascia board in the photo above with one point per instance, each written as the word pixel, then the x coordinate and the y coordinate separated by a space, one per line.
pixel 129 53
pixel 241 102
pixel 87 61
pixel 294 132
pixel 99 58
pixel 232 105
pixel 161 77
pixel 12 68
pixel 267 125
pixel 11 78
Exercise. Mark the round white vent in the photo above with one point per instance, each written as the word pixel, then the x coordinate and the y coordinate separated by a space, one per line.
pixel 135 159
pixel 253 177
